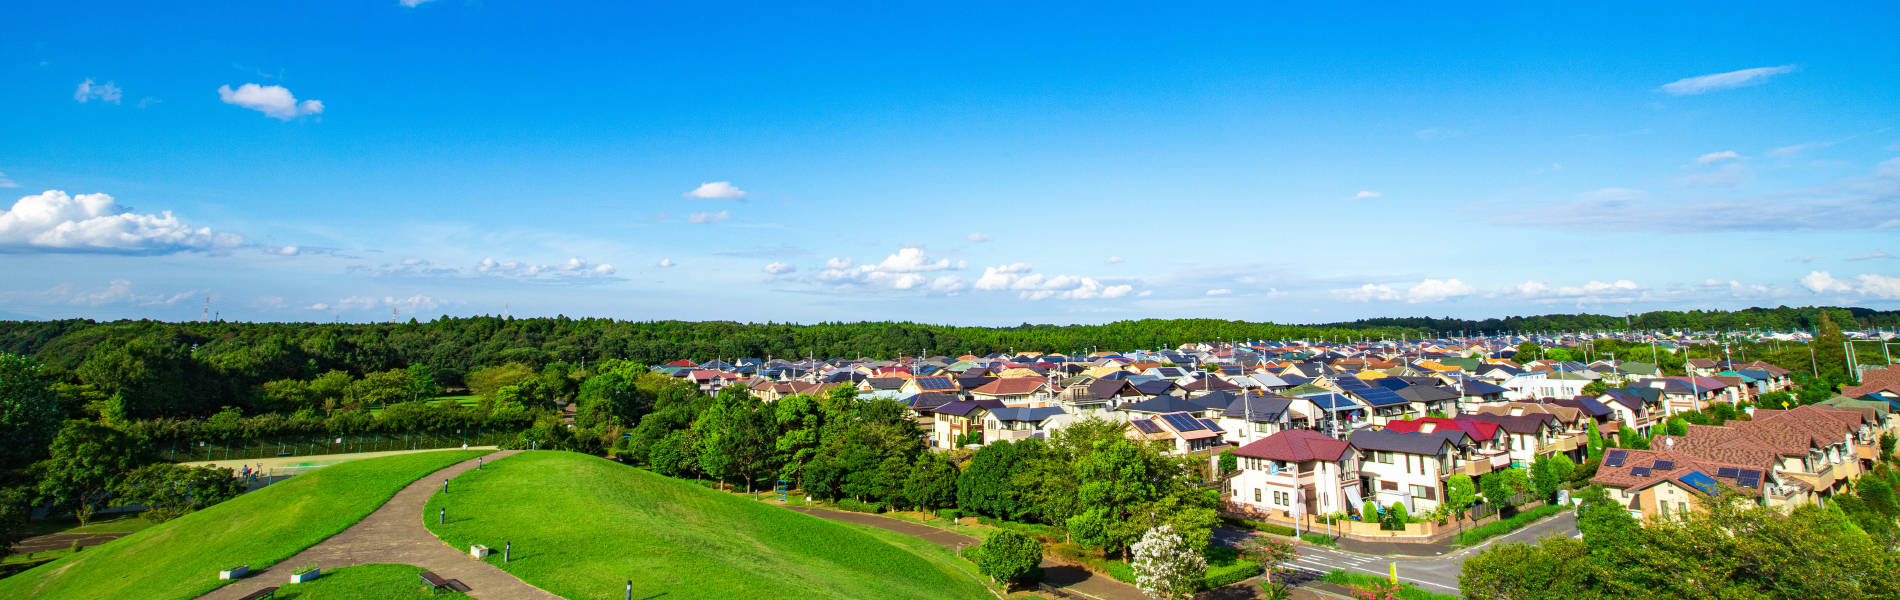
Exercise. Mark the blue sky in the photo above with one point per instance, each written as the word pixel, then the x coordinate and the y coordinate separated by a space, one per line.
pixel 970 164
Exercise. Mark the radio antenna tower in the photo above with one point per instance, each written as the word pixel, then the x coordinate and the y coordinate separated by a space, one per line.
pixel 207 316
pixel 392 315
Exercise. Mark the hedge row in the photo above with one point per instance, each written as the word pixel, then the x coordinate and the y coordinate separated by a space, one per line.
pixel 1504 526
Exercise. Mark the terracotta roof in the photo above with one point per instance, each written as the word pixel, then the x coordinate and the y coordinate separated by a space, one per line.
pixel 1684 464
pixel 1295 445
pixel 1011 386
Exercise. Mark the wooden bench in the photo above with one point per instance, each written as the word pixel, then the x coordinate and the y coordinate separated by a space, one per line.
pixel 269 592
pixel 436 582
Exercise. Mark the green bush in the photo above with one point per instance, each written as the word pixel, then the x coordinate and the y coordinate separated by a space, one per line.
pixel 949 513
pixel 1225 575
pixel 863 507
pixel 1261 526
pixel 1504 526
pixel 1053 533
pixel 1406 591
pixel 1007 556
pixel 1319 539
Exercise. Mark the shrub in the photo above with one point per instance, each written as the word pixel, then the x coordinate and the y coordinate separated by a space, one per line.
pixel 1319 539
pixel 1260 526
pixel 1007 556
pixel 863 507
pixel 1405 591
pixel 1240 570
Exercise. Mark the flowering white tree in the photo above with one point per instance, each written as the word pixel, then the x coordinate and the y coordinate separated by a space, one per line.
pixel 1165 567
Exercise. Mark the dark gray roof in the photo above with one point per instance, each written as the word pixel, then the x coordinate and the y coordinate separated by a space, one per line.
pixel 1408 443
pixel 963 407
pixel 1163 404
pixel 1261 408
pixel 1026 414
pixel 1155 388
pixel 1424 393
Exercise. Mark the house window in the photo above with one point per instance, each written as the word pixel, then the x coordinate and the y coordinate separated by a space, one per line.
pixel 1682 508
pixel 1392 486
pixel 1263 427
pixel 1419 491
pixel 1256 494
pixel 1665 508
pixel 1385 457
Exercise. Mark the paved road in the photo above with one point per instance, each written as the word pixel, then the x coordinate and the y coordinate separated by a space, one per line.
pixel 395 534
pixel 1437 574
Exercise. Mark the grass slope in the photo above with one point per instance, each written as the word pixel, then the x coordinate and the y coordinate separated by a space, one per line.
pixel 365 582
pixel 181 558
pixel 583 526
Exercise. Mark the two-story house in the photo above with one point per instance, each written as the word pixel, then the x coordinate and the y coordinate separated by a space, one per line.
pixel 1295 473
pixel 1410 468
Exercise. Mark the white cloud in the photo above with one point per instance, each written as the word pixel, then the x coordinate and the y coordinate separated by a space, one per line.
pixel 7 183
pixel 412 303
pixel 779 268
pixel 1869 256
pixel 573 267
pixel 1858 202
pixel 285 251
pixel 358 302
pixel 1365 195
pixel 604 269
pixel 909 260
pixel 1789 151
pixel 1000 278
pixel 1722 81
pixel 274 101
pixel 1430 290
pixel 55 222
pixel 107 93
pixel 1035 295
pixel 1219 292
pixel 838 263
pixel 978 237
pixel 1276 293
pixel 718 190
pixel 948 283
pixel 318 306
pixel 1715 157
pixel 1869 285
pixel 1145 294
pixel 666 262
pixel 898 271
pixel 1113 259
pixel 1623 290
pixel 709 217
pixel 412 3
pixel 573 264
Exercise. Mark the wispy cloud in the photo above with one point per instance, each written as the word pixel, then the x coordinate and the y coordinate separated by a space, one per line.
pixel 708 217
pixel 1430 290
pixel 1715 157
pixel 1722 81
pixel 7 183
pixel 1113 259
pixel 978 237
pixel 1869 285
pixel 1869 256
pixel 779 268
pixel 1789 151
pixel 1848 203
pixel 107 93
pixel 1364 195
pixel 717 190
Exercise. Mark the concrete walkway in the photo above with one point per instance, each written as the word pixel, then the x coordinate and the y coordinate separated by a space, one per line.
pixel 395 534
pixel 1071 577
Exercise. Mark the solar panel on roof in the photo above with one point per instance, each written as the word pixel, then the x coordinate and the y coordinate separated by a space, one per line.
pixel 1212 427
pixel 1640 471
pixel 1729 472
pixel 1665 465
pixel 1748 478
pixel 1615 458
pixel 1182 422
pixel 1380 396
pixel 1700 481
pixel 1352 383
pixel 1147 426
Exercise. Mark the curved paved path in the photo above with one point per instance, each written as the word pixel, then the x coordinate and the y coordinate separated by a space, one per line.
pixel 395 534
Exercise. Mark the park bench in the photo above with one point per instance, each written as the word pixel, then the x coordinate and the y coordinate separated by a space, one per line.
pixel 436 582
pixel 269 592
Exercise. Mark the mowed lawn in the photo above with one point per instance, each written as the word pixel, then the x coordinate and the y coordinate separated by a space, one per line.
pixel 365 582
pixel 583 526
pixel 181 558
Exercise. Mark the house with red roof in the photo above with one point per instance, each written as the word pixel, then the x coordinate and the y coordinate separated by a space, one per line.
pixel 1294 473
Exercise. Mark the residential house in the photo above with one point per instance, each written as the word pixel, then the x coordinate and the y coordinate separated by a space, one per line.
pixel 1255 416
pixel 953 420
pixel 1024 391
pixel 1179 432
pixel 1409 468
pixel 1295 472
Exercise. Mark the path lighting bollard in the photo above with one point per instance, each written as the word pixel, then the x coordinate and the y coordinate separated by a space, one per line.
pixel 506 547
pixel 442 518
pixel 478 464
pixel 629 589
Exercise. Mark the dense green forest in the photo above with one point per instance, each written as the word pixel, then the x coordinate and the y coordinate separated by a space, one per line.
pixel 1782 318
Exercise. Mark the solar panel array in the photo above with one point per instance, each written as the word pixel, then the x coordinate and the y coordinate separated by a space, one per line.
pixel 1147 426
pixel 1352 383
pixel 1380 396
pixel 1665 465
pixel 934 383
pixel 1183 422
pixel 1700 481
pixel 1212 427
pixel 1640 471
pixel 1748 478
pixel 1615 458
pixel 1729 472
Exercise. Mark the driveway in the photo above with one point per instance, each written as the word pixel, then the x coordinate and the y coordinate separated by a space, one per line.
pixel 1432 573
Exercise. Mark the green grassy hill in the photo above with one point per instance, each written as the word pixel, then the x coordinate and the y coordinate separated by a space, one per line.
pixel 181 558
pixel 583 526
